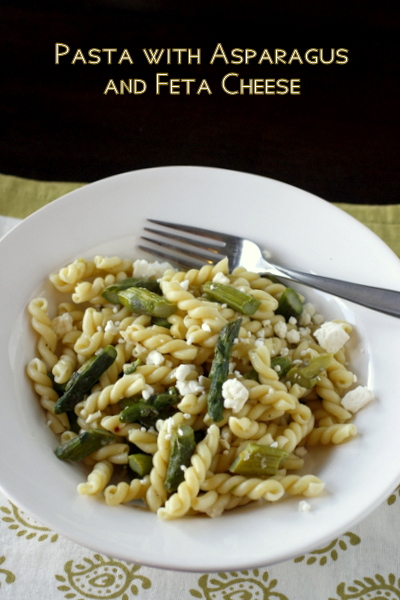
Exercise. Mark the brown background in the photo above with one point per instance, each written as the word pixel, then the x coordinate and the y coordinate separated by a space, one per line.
pixel 339 139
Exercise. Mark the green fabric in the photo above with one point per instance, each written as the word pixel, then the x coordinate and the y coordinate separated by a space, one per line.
pixel 20 197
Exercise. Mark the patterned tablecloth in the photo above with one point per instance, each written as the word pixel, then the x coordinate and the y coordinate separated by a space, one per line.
pixel 38 564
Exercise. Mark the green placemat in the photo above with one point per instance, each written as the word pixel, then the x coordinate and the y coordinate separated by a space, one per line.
pixel 20 197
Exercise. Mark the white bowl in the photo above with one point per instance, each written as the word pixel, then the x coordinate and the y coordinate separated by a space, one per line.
pixel 300 230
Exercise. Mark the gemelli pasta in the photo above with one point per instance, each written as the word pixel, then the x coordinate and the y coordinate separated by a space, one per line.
pixel 192 392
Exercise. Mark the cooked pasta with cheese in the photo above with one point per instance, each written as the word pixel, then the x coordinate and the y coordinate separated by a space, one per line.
pixel 191 392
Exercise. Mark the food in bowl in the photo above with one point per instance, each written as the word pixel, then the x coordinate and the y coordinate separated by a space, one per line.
pixel 194 392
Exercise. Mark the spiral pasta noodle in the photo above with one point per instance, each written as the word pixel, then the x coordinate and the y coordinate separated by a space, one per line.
pixel 157 387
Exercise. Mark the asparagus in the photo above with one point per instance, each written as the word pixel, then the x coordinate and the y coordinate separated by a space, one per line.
pixel 84 444
pixel 58 387
pixel 130 368
pixel 137 411
pixel 141 464
pixel 84 379
pixel 145 302
pixel 258 460
pixel 183 446
pixel 306 374
pixel 234 298
pixel 148 411
pixel 281 364
pixel 110 293
pixel 161 322
pixel 220 368
pixel 290 304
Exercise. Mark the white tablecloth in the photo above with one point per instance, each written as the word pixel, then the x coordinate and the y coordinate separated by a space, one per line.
pixel 38 564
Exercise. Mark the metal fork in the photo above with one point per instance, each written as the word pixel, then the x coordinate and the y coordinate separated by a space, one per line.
pixel 208 247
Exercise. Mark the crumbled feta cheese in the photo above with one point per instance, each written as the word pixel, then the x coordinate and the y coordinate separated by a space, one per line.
pixel 331 336
pixel 183 371
pixel 293 336
pixel 111 327
pixel 304 506
pixel 63 324
pixel 273 445
pixel 292 320
pixel 284 351
pixel 206 327
pixel 221 278
pixel 280 328
pixel 154 358
pixel 304 331
pixel 189 387
pixel 318 319
pixel 235 394
pixel 356 399
pixel 142 268
pixel 185 284
pixel 309 308
pixel 259 342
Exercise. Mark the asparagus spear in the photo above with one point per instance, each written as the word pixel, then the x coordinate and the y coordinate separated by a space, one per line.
pixel 182 447
pixel 110 293
pixel 220 368
pixel 290 304
pixel 161 322
pixel 145 302
pixel 148 411
pixel 258 460
pixel 130 368
pixel 306 375
pixel 84 444
pixel 281 364
pixel 84 379
pixel 141 464
pixel 234 298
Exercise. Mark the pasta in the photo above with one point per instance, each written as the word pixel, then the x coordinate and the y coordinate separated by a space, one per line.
pixel 166 371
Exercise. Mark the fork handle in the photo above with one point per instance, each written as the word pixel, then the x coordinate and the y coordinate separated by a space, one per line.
pixel 382 300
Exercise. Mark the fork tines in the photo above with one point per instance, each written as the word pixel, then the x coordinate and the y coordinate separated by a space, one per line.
pixel 180 249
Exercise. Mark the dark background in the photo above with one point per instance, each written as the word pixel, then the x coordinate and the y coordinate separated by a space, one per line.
pixel 338 139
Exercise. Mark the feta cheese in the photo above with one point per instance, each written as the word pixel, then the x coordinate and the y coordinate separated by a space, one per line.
pixel 235 394
pixel 185 284
pixel 189 387
pixel 154 358
pixel 356 399
pixel 304 506
pixel 111 328
pixel 221 278
pixel 185 386
pixel 142 268
pixel 293 336
pixel 183 371
pixel 331 336
pixel 63 324
pixel 280 328
pixel 206 327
